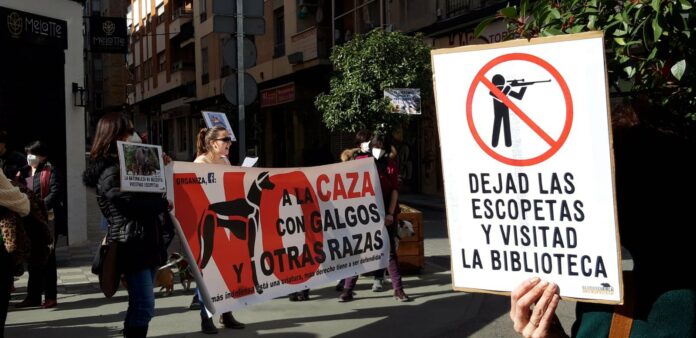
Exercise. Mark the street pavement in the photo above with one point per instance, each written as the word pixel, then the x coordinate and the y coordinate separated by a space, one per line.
pixel 436 310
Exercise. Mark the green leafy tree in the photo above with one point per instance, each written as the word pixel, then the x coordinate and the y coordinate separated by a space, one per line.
pixel 651 47
pixel 365 66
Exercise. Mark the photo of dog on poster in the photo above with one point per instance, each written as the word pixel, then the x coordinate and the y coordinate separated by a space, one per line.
pixel 142 167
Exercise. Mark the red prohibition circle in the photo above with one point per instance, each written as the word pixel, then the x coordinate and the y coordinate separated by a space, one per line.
pixel 566 95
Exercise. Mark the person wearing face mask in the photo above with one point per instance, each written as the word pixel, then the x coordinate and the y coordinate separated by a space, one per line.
pixel 213 147
pixel 43 179
pixel 136 221
pixel 388 171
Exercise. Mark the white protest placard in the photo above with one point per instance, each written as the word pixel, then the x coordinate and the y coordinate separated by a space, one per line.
pixel 404 100
pixel 218 119
pixel 528 167
pixel 142 167
pixel 261 233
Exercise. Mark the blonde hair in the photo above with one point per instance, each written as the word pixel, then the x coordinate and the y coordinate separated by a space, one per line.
pixel 205 135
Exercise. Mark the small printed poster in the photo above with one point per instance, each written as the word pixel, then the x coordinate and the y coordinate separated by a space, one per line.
pixel 404 100
pixel 218 119
pixel 142 167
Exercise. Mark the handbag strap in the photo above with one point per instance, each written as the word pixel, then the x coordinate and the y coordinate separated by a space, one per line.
pixel 622 319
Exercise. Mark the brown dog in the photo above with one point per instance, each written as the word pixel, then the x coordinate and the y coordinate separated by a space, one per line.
pixel 164 278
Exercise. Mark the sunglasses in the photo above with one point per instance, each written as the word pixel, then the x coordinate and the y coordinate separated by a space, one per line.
pixel 225 139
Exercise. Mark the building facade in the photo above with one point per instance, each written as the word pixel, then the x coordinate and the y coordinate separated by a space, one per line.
pixel 161 61
pixel 107 77
pixel 42 55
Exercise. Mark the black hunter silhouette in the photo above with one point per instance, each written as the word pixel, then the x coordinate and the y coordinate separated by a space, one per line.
pixel 245 228
pixel 501 111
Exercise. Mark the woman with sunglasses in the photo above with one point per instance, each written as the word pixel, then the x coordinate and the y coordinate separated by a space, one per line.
pixel 212 147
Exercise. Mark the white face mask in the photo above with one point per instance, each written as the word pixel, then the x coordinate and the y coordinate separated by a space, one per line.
pixel 134 138
pixel 33 160
pixel 377 153
pixel 365 146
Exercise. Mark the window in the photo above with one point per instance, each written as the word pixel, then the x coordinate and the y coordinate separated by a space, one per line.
pixel 204 62
pixel 279 33
pixel 136 72
pixel 160 14
pixel 98 70
pixel 162 56
pixel 202 4
pixel 224 67
pixel 147 70
pixel 96 7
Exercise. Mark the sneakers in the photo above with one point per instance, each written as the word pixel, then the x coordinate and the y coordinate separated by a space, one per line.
pixel 227 319
pixel 207 325
pixel 377 285
pixel 346 296
pixel 299 296
pixel 339 286
pixel 401 296
pixel 28 303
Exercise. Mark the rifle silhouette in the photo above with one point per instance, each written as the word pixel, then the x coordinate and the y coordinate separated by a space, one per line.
pixel 521 83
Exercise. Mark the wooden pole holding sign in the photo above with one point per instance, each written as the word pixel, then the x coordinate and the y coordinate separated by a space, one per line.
pixel 528 166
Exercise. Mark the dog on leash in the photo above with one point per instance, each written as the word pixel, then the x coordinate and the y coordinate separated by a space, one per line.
pixel 185 275
pixel 404 229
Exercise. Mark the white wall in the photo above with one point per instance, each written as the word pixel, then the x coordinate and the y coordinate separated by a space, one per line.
pixel 71 12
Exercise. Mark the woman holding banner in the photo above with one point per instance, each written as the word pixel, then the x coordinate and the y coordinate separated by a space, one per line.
pixel 213 147
pixel 134 219
pixel 389 182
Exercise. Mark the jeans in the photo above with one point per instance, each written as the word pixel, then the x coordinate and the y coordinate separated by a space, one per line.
pixel 141 298
pixel 204 312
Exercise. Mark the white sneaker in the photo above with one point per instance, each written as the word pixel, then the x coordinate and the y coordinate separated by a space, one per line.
pixel 377 285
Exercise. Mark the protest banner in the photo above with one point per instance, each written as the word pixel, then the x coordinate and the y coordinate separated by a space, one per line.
pixel 142 167
pixel 528 166
pixel 260 233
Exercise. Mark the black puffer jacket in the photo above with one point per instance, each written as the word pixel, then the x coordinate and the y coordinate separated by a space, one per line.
pixel 136 220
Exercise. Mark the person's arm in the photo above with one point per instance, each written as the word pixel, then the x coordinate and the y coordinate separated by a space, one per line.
pixel 533 309
pixel 393 177
pixel 52 199
pixel 12 198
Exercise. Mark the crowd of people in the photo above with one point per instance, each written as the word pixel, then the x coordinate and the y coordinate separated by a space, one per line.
pixel 660 300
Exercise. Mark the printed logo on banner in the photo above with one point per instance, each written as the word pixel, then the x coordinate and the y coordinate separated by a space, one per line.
pixel 495 102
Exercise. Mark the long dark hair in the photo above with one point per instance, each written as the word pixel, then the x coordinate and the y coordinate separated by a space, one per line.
pixel 111 128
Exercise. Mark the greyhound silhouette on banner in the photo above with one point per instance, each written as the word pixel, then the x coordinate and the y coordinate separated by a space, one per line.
pixel 244 222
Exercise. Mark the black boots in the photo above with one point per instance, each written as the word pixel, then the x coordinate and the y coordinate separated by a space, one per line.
pixel 207 325
pixel 228 320
pixel 135 332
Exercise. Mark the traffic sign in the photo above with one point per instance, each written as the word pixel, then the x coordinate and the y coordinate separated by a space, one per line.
pixel 229 53
pixel 250 89
pixel 228 24
pixel 553 142
pixel 252 8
